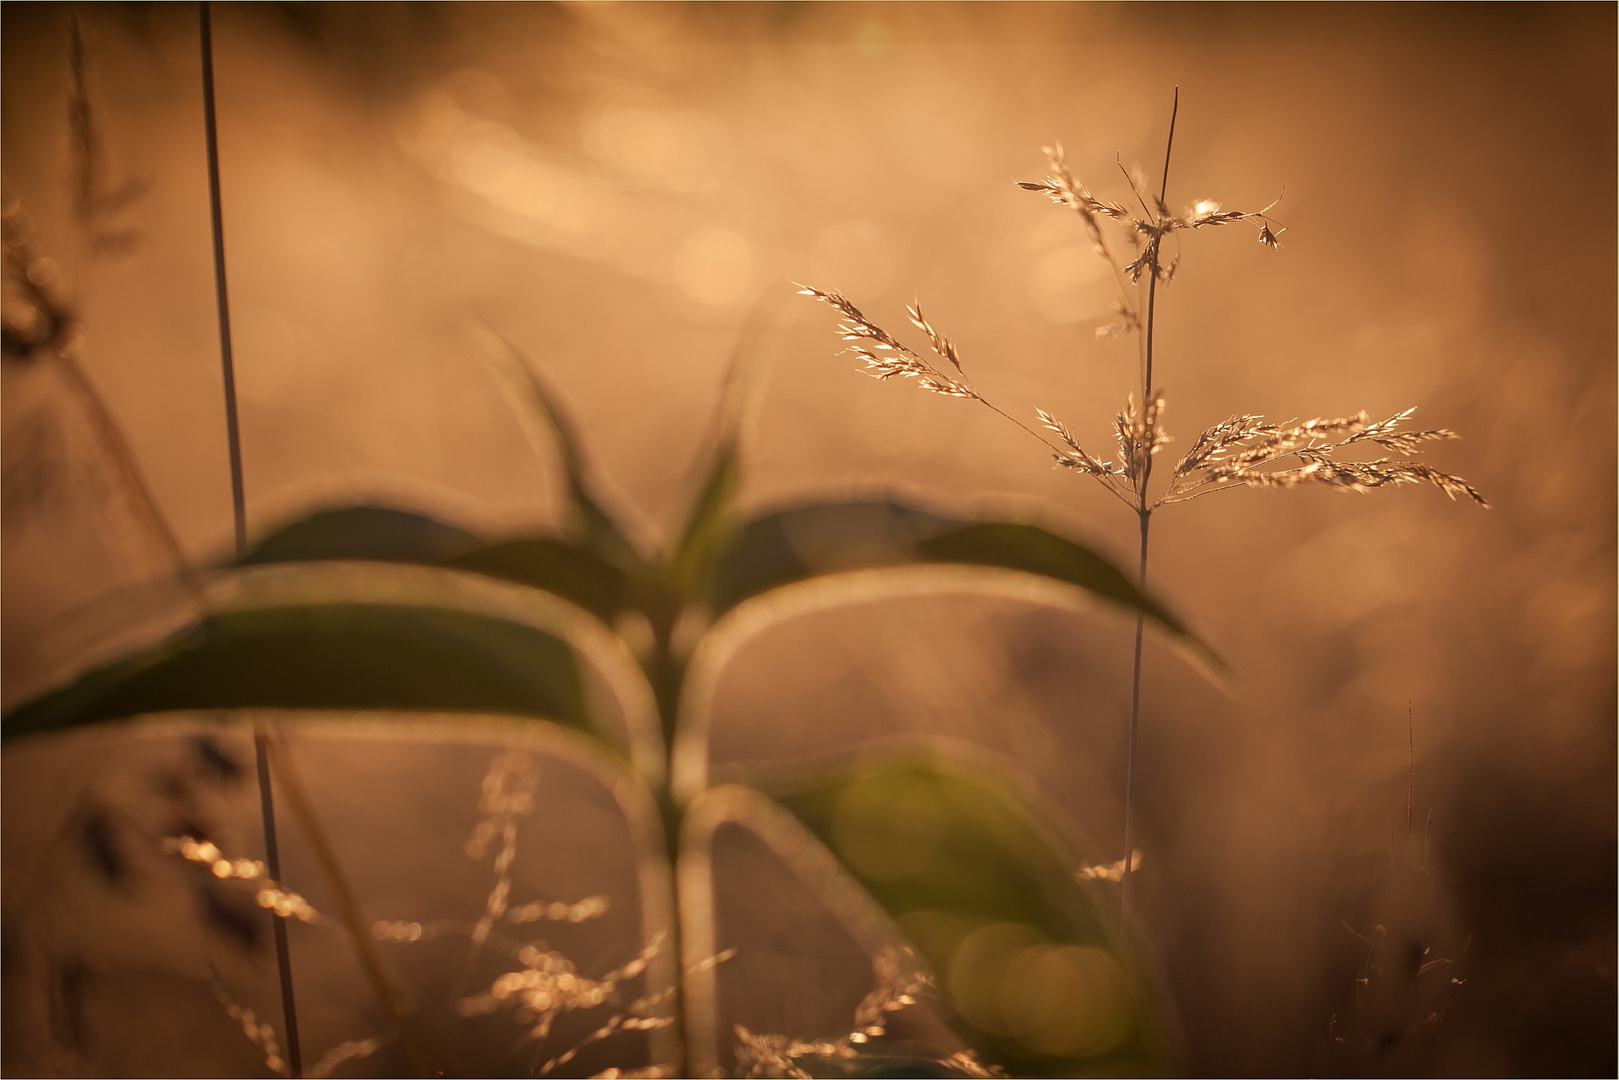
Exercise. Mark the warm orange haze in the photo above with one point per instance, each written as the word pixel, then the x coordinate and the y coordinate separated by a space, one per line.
pixel 643 691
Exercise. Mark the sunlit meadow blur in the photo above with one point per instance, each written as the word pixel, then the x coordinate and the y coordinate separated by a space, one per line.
pixel 620 188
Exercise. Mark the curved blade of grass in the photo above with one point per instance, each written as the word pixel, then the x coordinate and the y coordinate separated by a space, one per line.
pixel 365 531
pixel 519 378
pixel 803 542
pixel 960 859
pixel 329 656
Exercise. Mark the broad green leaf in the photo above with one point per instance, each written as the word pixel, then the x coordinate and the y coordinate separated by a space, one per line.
pixel 556 566
pixel 387 534
pixel 808 541
pixel 374 636
pixel 329 656
pixel 519 378
pixel 381 533
pixel 1026 950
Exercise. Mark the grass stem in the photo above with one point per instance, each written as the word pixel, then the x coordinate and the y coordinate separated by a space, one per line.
pixel 261 734
pixel 1135 723
pixel 1144 512
pixel 348 908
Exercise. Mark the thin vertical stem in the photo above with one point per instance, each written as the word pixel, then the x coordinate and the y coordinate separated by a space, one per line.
pixel 1174 110
pixel 1145 515
pixel 272 861
pixel 348 908
pixel 1411 773
pixel 222 296
pixel 261 734
pixel 1130 761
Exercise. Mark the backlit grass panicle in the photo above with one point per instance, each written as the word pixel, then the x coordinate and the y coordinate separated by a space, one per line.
pixel 547 984
pixel 1231 454
pixel 642 1014
pixel 900 985
pixel 1140 437
pixel 343 1052
pixel 1240 451
pixel 1061 188
pixel 270 895
pixel 262 1035
pixel 544 984
pixel 886 357
pixel 508 795
pixel 1078 459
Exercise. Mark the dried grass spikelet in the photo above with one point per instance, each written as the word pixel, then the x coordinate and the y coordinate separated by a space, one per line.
pixel 342 1052
pixel 270 895
pixel 1139 435
pixel 1146 233
pixel 1237 451
pixel 507 795
pixel 645 1013
pixel 899 985
pixel 885 356
pixel 263 1036
pixel 1061 188
pixel 548 985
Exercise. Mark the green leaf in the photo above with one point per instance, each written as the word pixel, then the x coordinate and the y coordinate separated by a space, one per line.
pixel 1026 952
pixel 710 525
pixel 595 527
pixel 388 534
pixel 380 533
pixel 803 542
pixel 709 530
pixel 329 656
pixel 556 566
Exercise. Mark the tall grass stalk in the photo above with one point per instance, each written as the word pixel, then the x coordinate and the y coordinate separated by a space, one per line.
pixel 261 732
pixel 1144 512
pixel 1241 451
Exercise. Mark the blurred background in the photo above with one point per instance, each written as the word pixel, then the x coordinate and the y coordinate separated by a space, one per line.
pixel 619 188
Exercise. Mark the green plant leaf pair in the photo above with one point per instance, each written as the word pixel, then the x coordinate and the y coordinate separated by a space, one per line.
pixel 315 619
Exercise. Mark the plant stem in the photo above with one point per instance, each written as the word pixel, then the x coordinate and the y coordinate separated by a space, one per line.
pixel 227 361
pixel 1144 512
pixel 261 733
pixel 348 908
pixel 272 861
pixel 1135 720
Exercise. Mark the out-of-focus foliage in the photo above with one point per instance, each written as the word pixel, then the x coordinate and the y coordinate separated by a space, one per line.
pixel 1027 951
pixel 994 886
